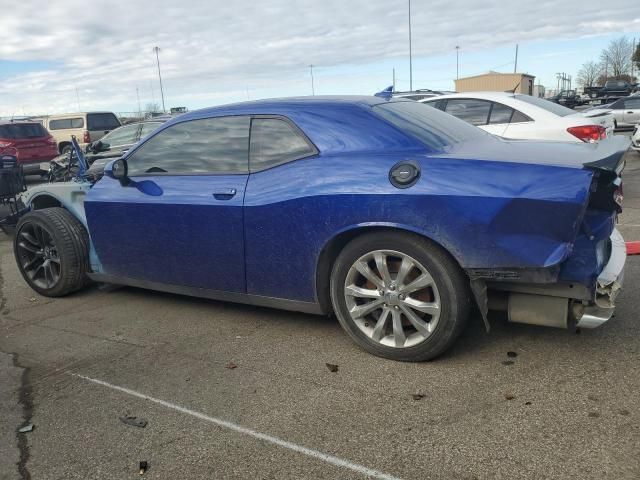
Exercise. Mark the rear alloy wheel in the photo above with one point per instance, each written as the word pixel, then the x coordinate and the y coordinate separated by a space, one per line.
pixel 52 251
pixel 399 296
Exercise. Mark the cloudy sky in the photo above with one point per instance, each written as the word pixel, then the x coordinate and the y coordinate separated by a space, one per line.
pixel 65 55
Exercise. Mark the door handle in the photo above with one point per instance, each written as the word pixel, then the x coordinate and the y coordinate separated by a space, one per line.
pixel 225 194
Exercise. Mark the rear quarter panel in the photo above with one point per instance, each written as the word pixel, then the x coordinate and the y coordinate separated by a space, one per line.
pixel 486 214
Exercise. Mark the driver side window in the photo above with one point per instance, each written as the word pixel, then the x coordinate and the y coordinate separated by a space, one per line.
pixel 212 145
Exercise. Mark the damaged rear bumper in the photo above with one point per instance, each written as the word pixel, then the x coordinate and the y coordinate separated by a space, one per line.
pixel 608 286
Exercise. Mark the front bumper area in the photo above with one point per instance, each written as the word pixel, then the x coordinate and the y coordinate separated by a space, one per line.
pixel 608 286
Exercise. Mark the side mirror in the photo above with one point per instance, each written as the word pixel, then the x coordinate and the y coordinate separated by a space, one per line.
pixel 118 170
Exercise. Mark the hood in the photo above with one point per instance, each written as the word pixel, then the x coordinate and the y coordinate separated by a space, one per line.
pixel 606 155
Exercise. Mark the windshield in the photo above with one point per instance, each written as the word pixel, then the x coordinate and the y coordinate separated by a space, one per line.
pixel 431 126
pixel 22 130
pixel 546 105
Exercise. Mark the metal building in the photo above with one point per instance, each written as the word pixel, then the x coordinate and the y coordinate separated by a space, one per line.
pixel 497 82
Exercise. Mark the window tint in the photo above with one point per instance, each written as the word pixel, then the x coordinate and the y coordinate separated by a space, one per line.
pixel 500 114
pixel 122 136
pixel 211 145
pixel 102 121
pixel 432 127
pixel 546 105
pixel 439 104
pixel 471 111
pixel 633 103
pixel 274 141
pixel 149 127
pixel 66 123
pixel 22 130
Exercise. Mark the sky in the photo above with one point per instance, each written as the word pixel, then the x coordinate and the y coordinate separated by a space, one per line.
pixel 67 55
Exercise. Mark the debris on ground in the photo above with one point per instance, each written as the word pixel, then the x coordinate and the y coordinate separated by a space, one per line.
pixel 594 414
pixel 509 396
pixel 624 411
pixel 332 368
pixel 527 403
pixel 231 365
pixel 512 354
pixel 592 398
pixel 33 299
pixel 508 362
pixel 134 421
pixel 26 428
pixel 417 396
pixel 143 467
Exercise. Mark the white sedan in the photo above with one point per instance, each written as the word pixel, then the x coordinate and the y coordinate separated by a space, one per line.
pixel 635 138
pixel 521 116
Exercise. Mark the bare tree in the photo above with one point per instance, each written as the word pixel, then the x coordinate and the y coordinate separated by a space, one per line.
pixel 616 58
pixel 588 74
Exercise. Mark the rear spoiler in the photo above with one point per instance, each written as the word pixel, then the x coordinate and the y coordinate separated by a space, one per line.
pixel 610 155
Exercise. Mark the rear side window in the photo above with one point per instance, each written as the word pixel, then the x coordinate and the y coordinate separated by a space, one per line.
pixel 102 121
pixel 22 130
pixel 66 123
pixel 475 112
pixel 275 141
pixel 211 145
pixel 554 108
pixel 122 136
pixel 500 114
pixel 431 126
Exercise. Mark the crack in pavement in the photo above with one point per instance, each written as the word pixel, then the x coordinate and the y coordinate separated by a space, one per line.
pixel 25 399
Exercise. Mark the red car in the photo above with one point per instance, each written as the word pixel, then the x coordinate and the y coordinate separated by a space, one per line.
pixel 31 141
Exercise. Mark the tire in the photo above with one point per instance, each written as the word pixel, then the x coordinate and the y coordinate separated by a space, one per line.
pixel 445 299
pixel 51 248
pixel 66 149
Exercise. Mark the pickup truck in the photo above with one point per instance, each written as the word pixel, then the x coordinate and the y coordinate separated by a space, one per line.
pixel 612 90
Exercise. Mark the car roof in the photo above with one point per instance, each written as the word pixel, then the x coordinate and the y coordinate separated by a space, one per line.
pixel 282 105
pixel 19 122
pixel 481 95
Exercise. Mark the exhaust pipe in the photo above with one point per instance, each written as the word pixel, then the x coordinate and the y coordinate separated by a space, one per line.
pixel 540 310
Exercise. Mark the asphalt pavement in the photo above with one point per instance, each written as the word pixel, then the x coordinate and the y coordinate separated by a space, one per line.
pixel 239 392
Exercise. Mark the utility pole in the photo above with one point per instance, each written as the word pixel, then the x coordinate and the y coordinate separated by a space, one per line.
pixel 313 88
pixel 515 66
pixel 138 96
pixel 410 53
pixel 457 62
pixel 157 50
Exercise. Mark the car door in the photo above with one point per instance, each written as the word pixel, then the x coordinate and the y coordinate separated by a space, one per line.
pixel 631 114
pixel 184 226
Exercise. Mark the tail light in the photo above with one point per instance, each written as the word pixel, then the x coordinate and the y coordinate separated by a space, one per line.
pixel 86 137
pixel 588 133
pixel 5 144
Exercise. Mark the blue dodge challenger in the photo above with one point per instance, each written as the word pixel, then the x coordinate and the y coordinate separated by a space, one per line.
pixel 394 216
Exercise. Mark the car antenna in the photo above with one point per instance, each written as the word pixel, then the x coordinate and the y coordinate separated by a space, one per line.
pixel 514 90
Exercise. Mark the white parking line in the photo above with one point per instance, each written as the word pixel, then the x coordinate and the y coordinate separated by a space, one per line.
pixel 338 462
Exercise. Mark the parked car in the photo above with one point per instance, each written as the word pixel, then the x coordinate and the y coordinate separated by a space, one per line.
pixel 520 116
pixel 635 138
pixel 99 153
pixel 391 214
pixel 568 98
pixel 31 142
pixel 87 127
pixel 626 111
pixel 611 91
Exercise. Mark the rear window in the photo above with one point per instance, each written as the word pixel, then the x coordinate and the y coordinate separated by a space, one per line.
pixel 546 105
pixel 66 123
pixel 22 130
pixel 431 126
pixel 102 121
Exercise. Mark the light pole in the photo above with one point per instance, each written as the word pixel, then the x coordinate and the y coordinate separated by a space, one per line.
pixel 157 50
pixel 313 88
pixel 457 62
pixel 410 53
